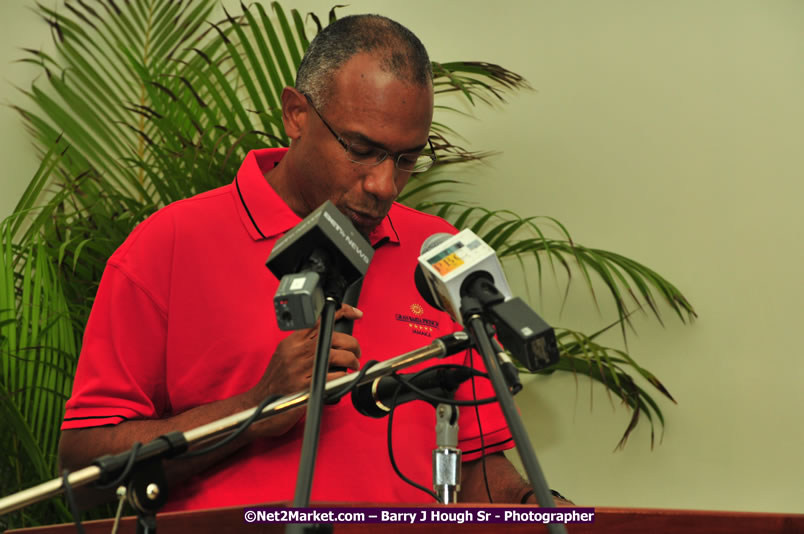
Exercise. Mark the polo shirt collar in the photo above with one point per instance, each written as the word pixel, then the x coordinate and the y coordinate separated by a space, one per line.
pixel 263 212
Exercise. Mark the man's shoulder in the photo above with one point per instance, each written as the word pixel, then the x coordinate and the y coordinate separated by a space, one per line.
pixel 209 203
pixel 197 213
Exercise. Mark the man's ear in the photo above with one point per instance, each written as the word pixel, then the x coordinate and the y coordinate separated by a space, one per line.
pixel 294 112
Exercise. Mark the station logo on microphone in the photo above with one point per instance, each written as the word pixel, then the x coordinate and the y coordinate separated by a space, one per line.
pixel 418 324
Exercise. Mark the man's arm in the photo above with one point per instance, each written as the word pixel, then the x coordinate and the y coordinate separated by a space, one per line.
pixel 505 483
pixel 288 371
pixel 79 447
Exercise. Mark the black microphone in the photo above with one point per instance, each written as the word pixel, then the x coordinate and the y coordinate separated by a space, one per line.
pixel 351 297
pixel 344 325
pixel 376 399
pixel 319 257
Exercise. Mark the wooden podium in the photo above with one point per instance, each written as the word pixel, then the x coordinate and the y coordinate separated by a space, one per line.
pixel 607 521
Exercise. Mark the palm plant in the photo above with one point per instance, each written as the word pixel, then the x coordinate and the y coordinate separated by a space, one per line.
pixel 148 102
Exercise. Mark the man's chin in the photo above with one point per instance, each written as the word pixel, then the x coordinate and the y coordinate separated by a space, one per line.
pixel 363 223
pixel 366 231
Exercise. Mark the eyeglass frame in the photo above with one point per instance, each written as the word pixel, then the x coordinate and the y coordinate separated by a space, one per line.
pixel 347 146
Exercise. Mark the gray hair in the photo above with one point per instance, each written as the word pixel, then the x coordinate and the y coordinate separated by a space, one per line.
pixel 400 52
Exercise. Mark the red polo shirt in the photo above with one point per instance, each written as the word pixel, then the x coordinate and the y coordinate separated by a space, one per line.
pixel 184 317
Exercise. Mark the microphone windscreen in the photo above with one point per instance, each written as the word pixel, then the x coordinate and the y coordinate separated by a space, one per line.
pixel 433 241
pixel 424 289
pixel 418 275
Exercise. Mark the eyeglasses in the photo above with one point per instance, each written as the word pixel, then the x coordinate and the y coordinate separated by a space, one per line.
pixel 366 154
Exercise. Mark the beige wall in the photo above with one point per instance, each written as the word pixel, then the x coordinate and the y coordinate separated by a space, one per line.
pixel 19 28
pixel 666 131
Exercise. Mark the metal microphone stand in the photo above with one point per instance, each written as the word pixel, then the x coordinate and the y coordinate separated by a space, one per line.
pixel 447 455
pixel 472 312
pixel 104 469
pixel 312 423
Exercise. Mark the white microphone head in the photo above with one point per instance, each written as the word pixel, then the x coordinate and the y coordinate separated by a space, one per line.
pixel 448 262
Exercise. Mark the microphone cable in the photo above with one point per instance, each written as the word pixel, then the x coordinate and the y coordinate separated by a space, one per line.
pixel 70 496
pixel 245 424
pixel 348 388
pixel 432 398
pixel 234 435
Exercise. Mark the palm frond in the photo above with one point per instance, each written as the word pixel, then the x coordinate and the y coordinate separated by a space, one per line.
pixel 582 355
pixel 628 282
pixel 479 80
pixel 38 347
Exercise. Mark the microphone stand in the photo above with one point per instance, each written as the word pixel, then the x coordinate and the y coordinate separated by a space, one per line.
pixel 168 445
pixel 472 313
pixel 312 423
pixel 447 455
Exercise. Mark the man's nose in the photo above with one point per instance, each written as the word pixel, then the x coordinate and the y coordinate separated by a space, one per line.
pixel 381 181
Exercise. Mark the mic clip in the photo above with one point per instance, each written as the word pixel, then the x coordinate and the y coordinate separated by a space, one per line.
pixel 447 455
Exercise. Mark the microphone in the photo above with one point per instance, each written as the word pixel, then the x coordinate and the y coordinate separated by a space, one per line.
pixel 376 399
pixel 317 258
pixel 351 297
pixel 452 267
pixel 344 325
pixel 450 264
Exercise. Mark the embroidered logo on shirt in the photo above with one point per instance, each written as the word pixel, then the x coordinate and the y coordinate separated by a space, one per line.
pixel 418 324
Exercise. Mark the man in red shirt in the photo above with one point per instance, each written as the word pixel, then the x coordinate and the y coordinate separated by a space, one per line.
pixel 182 331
